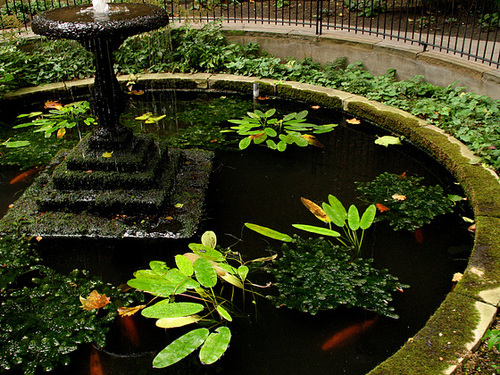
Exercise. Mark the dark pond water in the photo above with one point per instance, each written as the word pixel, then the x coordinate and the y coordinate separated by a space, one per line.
pixel 263 186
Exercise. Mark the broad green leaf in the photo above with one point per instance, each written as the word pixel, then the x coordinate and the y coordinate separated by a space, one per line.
pixel 244 143
pixel 15 144
pixel 289 116
pixel 167 309
pixel 338 208
pixel 177 322
pixel 269 113
pixel 368 217
pixel 232 280
pixel 205 273
pixel 301 115
pixel 270 132
pixel 181 348
pixel 301 142
pixel 181 281
pixel 209 238
pixel 336 217
pixel 387 140
pixel 271 144
pixel 318 230
pixel 223 313
pixel 215 345
pixel 206 252
pixel 184 264
pixel 281 146
pixel 255 115
pixel 269 232
pixel 157 286
pixel 159 267
pixel 243 272
pixel 353 217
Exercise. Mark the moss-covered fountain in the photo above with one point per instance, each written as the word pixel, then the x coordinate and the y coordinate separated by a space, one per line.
pixel 113 174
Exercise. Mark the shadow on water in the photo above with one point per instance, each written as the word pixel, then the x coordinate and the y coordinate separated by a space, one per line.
pixel 264 187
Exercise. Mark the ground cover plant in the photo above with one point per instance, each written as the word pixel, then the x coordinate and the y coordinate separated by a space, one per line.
pixel 469 117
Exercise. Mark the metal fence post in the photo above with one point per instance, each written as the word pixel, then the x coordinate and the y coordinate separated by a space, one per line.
pixel 319 17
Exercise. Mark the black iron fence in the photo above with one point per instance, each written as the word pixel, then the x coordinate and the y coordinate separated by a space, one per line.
pixel 467 28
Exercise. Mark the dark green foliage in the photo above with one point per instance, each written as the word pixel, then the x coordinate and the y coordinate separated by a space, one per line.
pixel 316 276
pixel 419 206
pixel 41 318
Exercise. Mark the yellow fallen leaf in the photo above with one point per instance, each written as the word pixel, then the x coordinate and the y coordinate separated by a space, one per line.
pixel 399 197
pixel 129 311
pixel 457 277
pixel 60 133
pixel 107 154
pixel 312 140
pixel 177 322
pixel 38 238
pixel 94 301
pixel 353 121
pixel 53 104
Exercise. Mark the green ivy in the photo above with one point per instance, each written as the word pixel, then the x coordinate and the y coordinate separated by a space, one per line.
pixel 314 276
pixel 408 204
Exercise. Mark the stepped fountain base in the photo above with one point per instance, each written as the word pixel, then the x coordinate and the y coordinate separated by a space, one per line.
pixel 148 192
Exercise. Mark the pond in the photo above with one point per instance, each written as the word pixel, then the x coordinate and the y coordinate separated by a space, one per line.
pixel 262 186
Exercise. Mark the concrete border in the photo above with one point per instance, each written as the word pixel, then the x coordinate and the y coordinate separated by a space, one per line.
pixel 376 54
pixel 459 323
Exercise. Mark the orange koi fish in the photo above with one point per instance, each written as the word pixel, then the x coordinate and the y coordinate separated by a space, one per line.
pixel 23 176
pixel 342 336
pixel 129 329
pixel 95 367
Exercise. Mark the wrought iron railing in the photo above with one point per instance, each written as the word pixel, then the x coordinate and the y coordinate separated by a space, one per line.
pixel 467 28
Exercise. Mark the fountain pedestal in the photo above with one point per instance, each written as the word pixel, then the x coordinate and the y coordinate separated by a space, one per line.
pixel 112 184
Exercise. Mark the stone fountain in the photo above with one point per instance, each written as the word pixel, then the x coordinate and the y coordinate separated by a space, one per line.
pixel 112 184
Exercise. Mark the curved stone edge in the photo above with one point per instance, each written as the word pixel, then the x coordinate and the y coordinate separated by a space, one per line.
pixel 459 323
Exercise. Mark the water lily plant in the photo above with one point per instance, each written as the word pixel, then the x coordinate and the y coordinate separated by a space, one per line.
pixel 261 127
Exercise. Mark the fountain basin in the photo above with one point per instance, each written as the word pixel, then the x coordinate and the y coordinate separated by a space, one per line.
pixel 460 322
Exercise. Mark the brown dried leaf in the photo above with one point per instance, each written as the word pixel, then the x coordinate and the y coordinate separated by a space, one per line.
pixel 381 207
pixel 94 301
pixel 312 140
pixel 53 104
pixel 353 121
pixel 129 311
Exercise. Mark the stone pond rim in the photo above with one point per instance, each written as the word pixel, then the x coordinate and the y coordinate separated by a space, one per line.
pixel 459 323
pixel 126 20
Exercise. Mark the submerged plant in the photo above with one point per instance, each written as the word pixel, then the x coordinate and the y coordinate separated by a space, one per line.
pixel 259 127
pixel 41 318
pixel 312 275
pixel 404 201
pixel 193 279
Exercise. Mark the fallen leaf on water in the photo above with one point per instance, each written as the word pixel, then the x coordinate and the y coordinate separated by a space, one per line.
pixel 38 238
pixel 387 140
pixel 94 301
pixel 60 133
pixel 315 107
pixel 399 197
pixel 129 311
pixel 312 140
pixel 11 205
pixel 107 154
pixel 169 218
pixel 315 209
pixel 53 104
pixel 179 205
pixel 136 92
pixel 263 98
pixel 457 277
pixel 402 175
pixel 381 207
pixel 472 228
pixel 353 121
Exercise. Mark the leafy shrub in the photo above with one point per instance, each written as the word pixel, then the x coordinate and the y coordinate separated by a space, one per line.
pixel 404 201
pixel 313 276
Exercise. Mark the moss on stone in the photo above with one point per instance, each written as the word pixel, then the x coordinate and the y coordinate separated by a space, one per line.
pixel 245 86
pixel 439 344
pixel 309 96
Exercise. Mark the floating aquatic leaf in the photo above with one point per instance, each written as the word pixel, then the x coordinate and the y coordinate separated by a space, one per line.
pixel 94 301
pixel 167 309
pixel 209 238
pixel 60 133
pixel 398 197
pixel 353 121
pixel 184 265
pixel 271 233
pixel 215 345
pixel 177 322
pixel 224 314
pixel 181 348
pixel 205 273
pixel 387 140
pixel 381 207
